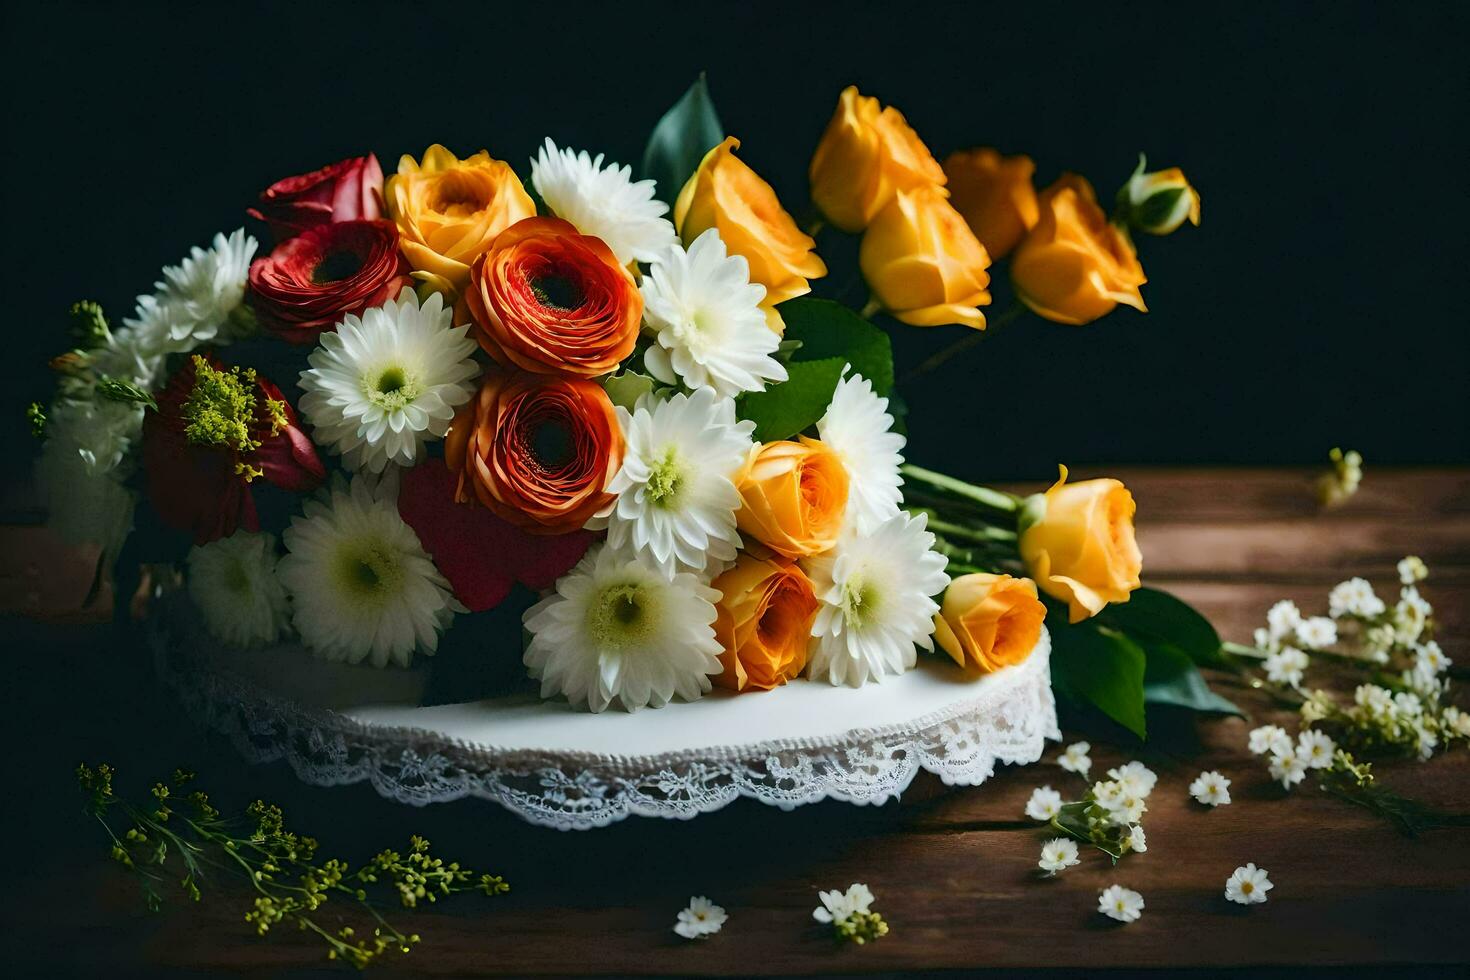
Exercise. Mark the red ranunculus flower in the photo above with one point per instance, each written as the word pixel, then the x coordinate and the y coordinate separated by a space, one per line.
pixel 215 432
pixel 312 281
pixel 350 190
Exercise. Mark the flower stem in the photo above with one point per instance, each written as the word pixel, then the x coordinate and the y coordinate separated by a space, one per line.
pixel 940 358
pixel 972 535
pixel 1006 503
pixel 870 308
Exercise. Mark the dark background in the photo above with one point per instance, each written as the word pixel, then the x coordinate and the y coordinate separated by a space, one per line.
pixel 1320 303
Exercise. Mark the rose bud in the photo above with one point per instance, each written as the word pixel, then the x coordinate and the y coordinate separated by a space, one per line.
pixel 1074 266
pixel 449 212
pixel 310 282
pixel 727 195
pixel 994 195
pixel 549 299
pixel 349 190
pixel 1158 202
pixel 536 451
pixel 924 264
pixel 866 155
pixel 763 622
pixel 793 497
pixel 1078 544
pixel 215 432
pixel 987 622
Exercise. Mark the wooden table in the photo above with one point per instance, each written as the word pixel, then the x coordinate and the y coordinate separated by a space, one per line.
pixel 953 869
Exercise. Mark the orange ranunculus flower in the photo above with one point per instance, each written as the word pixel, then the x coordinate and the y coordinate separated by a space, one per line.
pixel 548 299
pixel 727 195
pixel 989 621
pixel 994 195
pixel 867 155
pixel 793 496
pixel 763 621
pixel 1074 265
pixel 1077 542
pixel 924 264
pixel 449 211
pixel 536 451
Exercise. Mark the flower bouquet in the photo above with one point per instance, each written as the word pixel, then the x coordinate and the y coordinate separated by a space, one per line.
pixel 617 408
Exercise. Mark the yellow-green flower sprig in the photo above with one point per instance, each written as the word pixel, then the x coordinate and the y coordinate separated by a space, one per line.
pixel 181 824
pixel 860 928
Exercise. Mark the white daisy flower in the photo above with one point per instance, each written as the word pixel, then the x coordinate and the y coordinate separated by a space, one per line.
pixel 603 201
pixel 1044 804
pixel 618 628
pixel 876 591
pixel 1355 597
pixel 1058 854
pixel 1248 885
pixel 1282 619
pixel 1137 841
pixel 1136 779
pixel 837 906
pixel 1412 569
pixel 233 584
pixel 858 428
pixel 1122 904
pixel 701 919
pixel 1075 758
pixel 1315 748
pixel 1289 768
pixel 1210 788
pixel 362 586
pixel 707 322
pixel 193 302
pixel 675 497
pixel 1286 666
pixel 1316 633
pixel 382 384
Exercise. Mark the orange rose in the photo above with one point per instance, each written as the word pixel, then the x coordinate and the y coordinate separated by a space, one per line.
pixel 1077 542
pixel 989 621
pixel 793 496
pixel 448 211
pixel 727 195
pixel 763 622
pixel 549 299
pixel 867 155
pixel 536 451
pixel 1074 266
pixel 924 264
pixel 994 195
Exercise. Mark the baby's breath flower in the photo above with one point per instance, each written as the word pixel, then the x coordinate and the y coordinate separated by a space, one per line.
pixel 851 914
pixel 1355 597
pixel 1282 619
pixel 1044 804
pixel 1075 758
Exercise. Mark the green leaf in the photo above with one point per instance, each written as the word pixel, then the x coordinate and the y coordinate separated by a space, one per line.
pixel 783 410
pixel 1152 616
pixel 1170 677
pixel 682 137
pixel 1101 666
pixel 829 329
pixel 626 388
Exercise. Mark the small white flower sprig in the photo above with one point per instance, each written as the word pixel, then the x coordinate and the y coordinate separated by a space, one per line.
pixel 1402 708
pixel 851 915
pixel 701 919
pixel 1109 816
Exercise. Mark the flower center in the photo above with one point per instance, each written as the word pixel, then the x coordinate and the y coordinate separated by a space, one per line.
pixel 557 291
pixel 859 600
pixel 456 197
pixel 551 443
pixel 665 478
pixel 335 267
pixel 236 580
pixel 366 570
pixel 622 615
pixel 1247 887
pixel 391 389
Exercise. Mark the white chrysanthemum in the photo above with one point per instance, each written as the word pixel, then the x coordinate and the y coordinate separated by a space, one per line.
pixel 362 586
pixel 233 583
pixel 193 301
pixel 603 201
pixel 1122 904
pixel 876 591
pixel 382 384
pixel 1044 803
pixel 701 919
pixel 858 428
pixel 618 629
pixel 1248 885
pixel 675 495
pixel 709 328
pixel 1075 758
pixel 1058 854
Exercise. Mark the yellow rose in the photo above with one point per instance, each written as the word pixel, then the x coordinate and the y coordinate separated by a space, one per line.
pixel 865 156
pixel 1159 202
pixel 763 622
pixel 994 195
pixel 793 496
pixel 1077 542
pixel 449 211
pixel 727 195
pixel 923 263
pixel 989 621
pixel 1075 266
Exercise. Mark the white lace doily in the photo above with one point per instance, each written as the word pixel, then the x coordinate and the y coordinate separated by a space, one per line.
pixel 337 724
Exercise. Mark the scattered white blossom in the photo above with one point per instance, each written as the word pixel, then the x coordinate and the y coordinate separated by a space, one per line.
pixel 1410 615
pixel 1075 758
pixel 1058 854
pixel 1044 804
pixel 1316 633
pixel 1270 738
pixel 701 919
pixel 1124 804
pixel 1341 482
pixel 1137 841
pixel 1248 885
pixel 1430 661
pixel 851 914
pixel 1288 768
pixel 1211 788
pixel 1315 748
pixel 1412 569
pixel 1355 597
pixel 1122 904
pixel 1136 778
pixel 1282 619
pixel 1286 666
